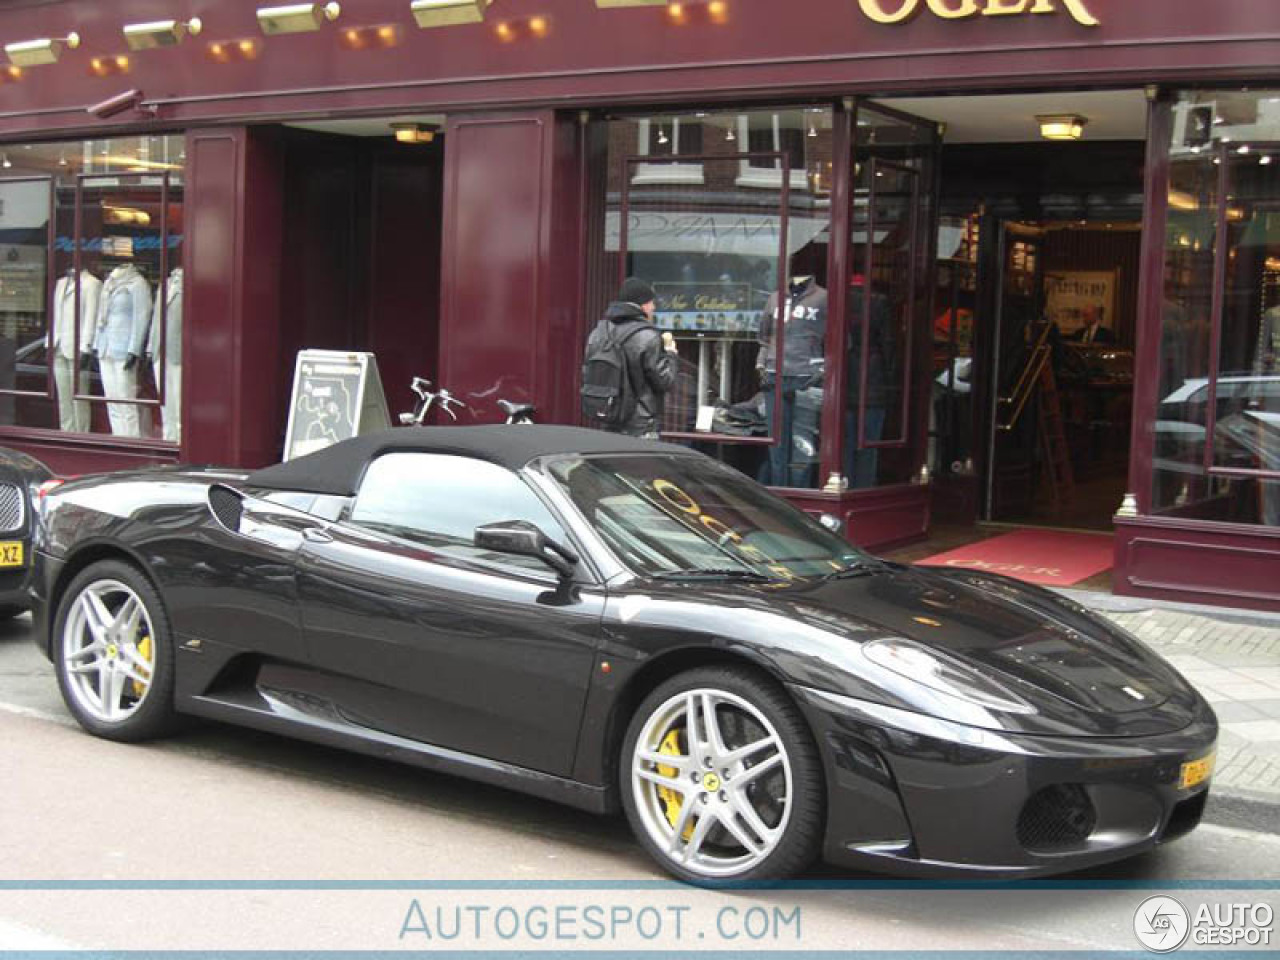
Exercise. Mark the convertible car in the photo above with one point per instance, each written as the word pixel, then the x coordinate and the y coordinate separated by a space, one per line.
pixel 612 623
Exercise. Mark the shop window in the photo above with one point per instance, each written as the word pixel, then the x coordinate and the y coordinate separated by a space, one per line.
pixel 1217 425
pixel 740 277
pixel 786 133
pixel 91 287
pixel 669 139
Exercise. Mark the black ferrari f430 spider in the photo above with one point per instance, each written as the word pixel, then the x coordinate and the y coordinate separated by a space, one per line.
pixel 610 623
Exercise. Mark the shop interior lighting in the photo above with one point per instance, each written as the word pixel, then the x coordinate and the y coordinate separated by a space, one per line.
pixel 296 17
pixel 160 33
pixel 36 53
pixel 413 132
pixel 1064 127
pixel 448 13
pixel 6 162
pixel 1265 161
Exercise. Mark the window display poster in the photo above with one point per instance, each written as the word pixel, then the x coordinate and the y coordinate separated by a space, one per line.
pixel 723 308
pixel 335 396
pixel 1076 299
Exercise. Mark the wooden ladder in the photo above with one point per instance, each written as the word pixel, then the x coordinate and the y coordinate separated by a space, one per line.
pixel 1053 439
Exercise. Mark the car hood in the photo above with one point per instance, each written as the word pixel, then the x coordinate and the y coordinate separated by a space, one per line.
pixel 1081 675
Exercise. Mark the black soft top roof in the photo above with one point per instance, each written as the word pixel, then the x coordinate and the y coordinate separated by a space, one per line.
pixel 337 470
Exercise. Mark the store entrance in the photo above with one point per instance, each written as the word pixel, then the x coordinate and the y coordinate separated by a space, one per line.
pixel 361 264
pixel 1035 308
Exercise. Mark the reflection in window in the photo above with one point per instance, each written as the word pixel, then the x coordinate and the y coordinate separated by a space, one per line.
pixel 1217 446
pixel 733 263
pixel 438 501
pixel 95 345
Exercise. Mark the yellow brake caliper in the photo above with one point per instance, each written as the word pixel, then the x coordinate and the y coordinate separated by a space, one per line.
pixel 671 800
pixel 144 651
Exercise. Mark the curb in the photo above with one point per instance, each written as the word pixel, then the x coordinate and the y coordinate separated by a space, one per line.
pixel 1110 603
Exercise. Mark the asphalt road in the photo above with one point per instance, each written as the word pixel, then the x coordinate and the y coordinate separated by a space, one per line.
pixel 224 838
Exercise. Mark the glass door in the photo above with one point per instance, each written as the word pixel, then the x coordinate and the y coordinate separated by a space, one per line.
pixel 890 294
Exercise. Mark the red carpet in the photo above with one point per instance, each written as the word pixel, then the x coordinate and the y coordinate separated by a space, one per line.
pixel 1051 557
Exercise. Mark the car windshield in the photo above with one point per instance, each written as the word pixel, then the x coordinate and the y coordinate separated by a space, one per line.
pixel 687 516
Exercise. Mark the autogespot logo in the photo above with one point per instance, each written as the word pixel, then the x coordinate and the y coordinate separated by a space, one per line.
pixel 1161 924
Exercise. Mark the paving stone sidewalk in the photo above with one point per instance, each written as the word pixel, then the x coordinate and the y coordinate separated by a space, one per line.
pixel 1233 659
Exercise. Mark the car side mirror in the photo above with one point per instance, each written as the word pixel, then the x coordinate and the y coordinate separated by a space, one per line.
pixel 525 539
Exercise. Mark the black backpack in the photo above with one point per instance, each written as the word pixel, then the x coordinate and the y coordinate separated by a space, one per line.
pixel 608 395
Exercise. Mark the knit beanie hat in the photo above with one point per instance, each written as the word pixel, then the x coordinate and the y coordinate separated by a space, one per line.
pixel 636 291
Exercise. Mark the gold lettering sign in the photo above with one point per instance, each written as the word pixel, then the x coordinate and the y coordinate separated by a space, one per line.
pixel 900 11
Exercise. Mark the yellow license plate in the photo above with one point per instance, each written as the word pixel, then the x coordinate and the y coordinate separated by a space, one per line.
pixel 11 554
pixel 1197 771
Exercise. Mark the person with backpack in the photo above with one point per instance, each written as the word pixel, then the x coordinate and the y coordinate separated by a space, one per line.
pixel 629 366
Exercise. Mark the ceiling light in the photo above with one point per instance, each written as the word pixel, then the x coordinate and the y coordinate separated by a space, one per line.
pixel 414 132
pixel 160 33
pixel 1265 161
pixel 296 17
pixel 6 162
pixel 35 53
pixel 662 135
pixel 448 13
pixel 1062 127
pixel 1244 149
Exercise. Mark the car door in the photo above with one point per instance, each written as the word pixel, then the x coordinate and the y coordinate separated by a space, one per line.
pixel 426 637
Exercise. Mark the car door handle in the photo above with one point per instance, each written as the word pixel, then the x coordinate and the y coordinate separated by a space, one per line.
pixel 316 535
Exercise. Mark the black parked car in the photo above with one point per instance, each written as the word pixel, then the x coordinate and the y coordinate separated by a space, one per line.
pixel 20 480
pixel 613 622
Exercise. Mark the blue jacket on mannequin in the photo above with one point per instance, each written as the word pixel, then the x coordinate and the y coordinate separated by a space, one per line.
pixel 124 314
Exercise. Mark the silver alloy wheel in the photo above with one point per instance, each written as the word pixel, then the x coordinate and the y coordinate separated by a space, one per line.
pixel 108 651
pixel 712 784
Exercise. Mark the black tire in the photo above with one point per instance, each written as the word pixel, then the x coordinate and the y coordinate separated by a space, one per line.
pixel 154 715
pixel 800 840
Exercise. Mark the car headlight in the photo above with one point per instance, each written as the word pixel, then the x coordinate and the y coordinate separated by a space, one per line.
pixel 939 672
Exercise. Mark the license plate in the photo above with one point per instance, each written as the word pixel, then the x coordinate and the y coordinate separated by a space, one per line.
pixel 11 554
pixel 1196 772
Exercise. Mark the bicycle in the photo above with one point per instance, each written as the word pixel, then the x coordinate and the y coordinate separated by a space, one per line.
pixel 518 413
pixel 428 398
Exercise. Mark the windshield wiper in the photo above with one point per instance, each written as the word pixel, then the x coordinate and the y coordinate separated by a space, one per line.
pixel 859 568
pixel 711 573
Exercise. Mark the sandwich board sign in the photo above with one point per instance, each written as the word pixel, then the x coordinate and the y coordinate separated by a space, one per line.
pixel 336 396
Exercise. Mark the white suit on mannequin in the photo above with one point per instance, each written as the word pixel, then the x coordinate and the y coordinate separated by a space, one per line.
pixel 124 317
pixel 73 415
pixel 170 359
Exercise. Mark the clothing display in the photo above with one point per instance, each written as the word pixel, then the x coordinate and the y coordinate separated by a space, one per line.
pixel 73 415
pixel 124 319
pixel 803 322
pixel 167 361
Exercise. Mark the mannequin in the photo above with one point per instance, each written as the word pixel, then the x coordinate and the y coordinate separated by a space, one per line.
pixel 124 317
pixel 804 325
pixel 70 355
pixel 170 358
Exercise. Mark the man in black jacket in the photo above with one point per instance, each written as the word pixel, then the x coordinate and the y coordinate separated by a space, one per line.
pixel 651 356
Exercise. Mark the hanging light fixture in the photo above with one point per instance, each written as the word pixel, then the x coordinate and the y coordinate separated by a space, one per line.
pixel 1068 126
pixel 36 53
pixel 296 17
pixel 160 33
pixel 448 13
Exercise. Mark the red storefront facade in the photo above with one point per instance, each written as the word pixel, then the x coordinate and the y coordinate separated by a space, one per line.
pixel 483 260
